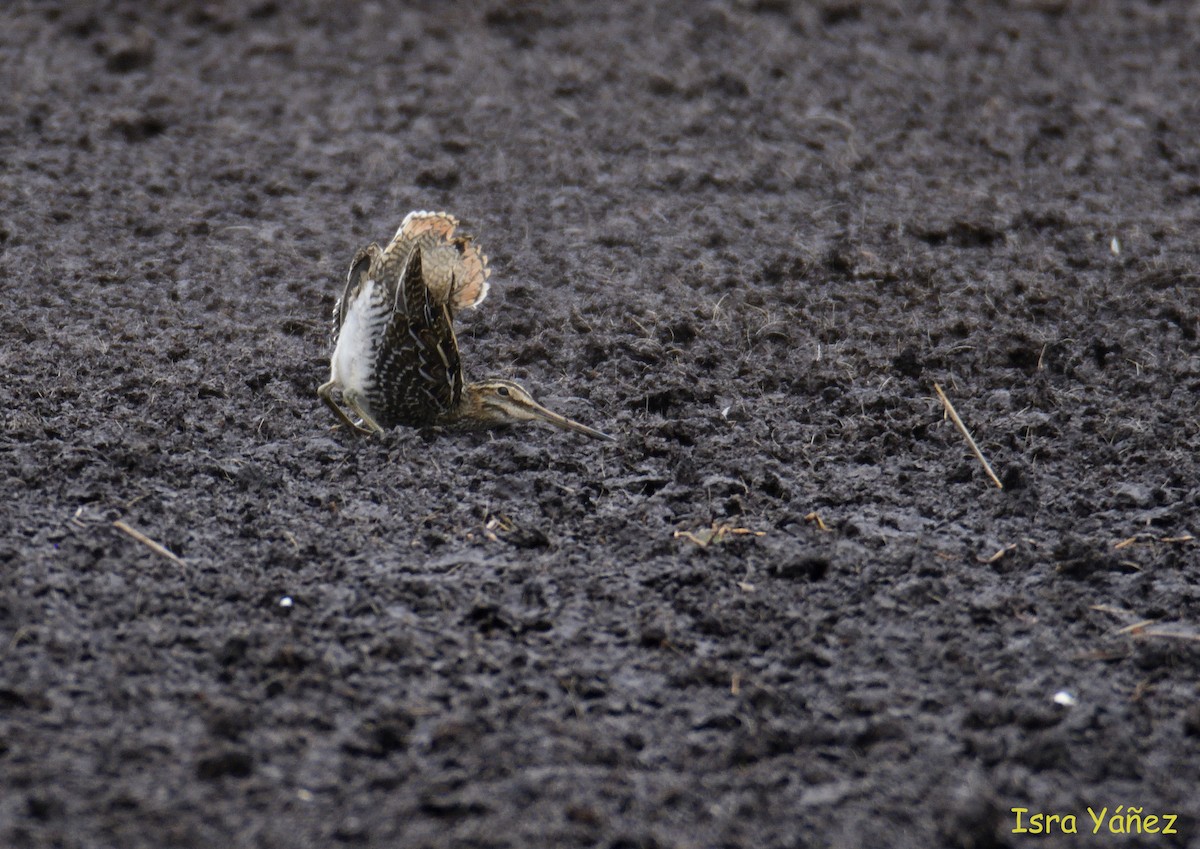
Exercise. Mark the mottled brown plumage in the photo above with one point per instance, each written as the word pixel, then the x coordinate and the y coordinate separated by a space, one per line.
pixel 395 356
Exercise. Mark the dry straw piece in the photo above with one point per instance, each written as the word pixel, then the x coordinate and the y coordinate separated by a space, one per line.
pixel 962 428
pixel 157 548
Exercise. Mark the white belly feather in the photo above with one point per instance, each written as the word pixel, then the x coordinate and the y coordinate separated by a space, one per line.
pixel 353 363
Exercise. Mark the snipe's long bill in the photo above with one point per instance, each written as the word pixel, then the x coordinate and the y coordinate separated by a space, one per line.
pixel 395 356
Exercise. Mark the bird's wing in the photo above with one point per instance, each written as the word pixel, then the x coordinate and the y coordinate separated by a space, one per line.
pixel 469 278
pixel 418 361
pixel 359 267
pixel 416 224
pixel 455 269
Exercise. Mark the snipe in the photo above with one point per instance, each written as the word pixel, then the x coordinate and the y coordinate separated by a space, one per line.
pixel 395 357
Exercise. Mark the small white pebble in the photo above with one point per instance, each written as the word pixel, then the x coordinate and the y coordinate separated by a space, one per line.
pixel 1064 698
pixel 1115 246
pixel 286 601
pixel 304 795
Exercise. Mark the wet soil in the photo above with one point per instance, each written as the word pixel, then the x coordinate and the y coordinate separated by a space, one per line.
pixel 787 608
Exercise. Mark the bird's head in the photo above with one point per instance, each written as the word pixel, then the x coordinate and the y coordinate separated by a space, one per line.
pixel 495 402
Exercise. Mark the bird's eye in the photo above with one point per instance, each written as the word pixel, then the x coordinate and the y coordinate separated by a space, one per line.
pixel 502 391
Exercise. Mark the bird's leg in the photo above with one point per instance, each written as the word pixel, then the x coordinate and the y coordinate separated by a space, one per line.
pixel 325 391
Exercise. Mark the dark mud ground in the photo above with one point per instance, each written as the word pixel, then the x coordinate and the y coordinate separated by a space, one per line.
pixel 748 238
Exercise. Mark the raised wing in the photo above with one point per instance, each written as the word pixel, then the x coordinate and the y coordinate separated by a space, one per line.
pixel 455 269
pixel 440 225
pixel 458 273
pixel 360 267
pixel 419 367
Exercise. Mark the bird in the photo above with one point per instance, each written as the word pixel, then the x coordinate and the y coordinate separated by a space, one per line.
pixel 395 357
